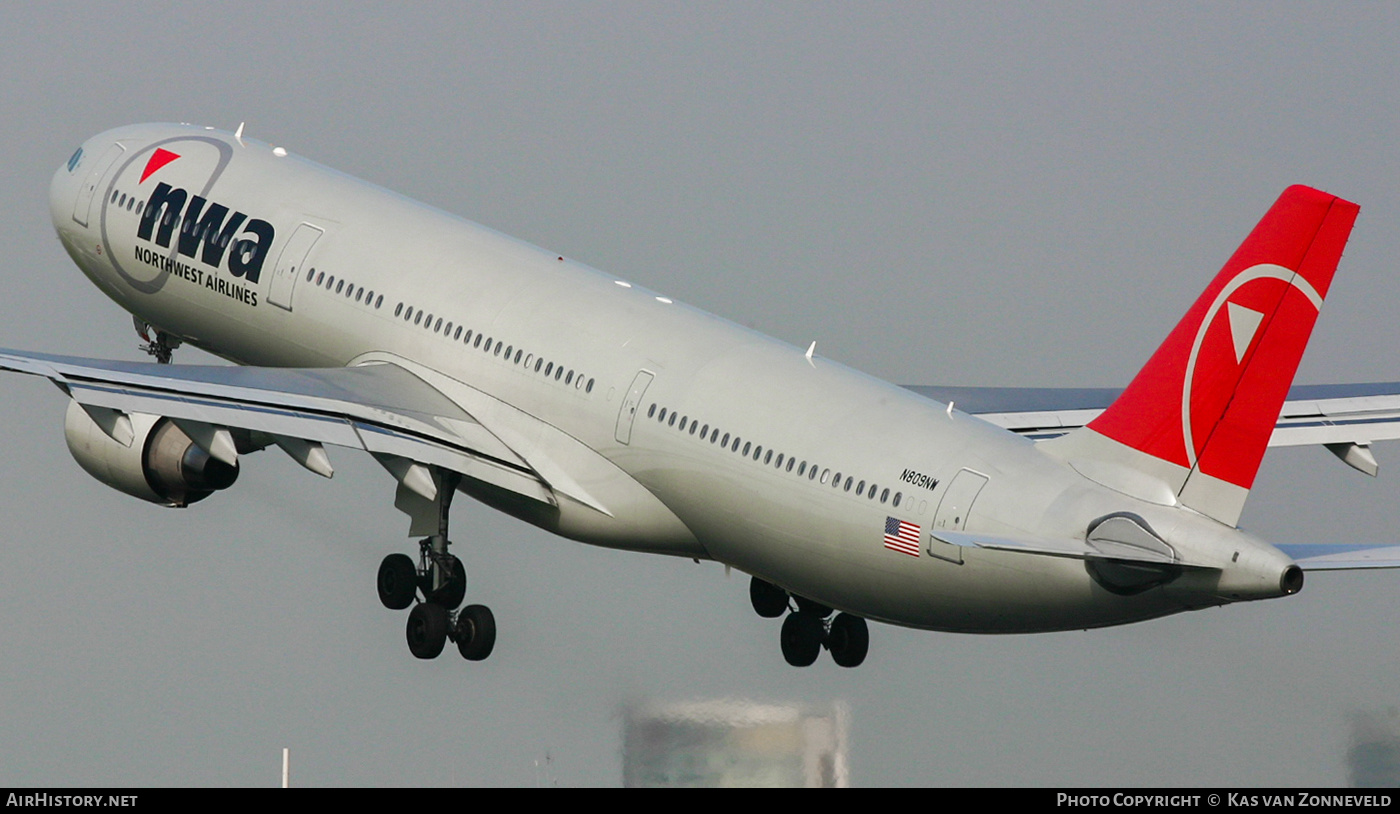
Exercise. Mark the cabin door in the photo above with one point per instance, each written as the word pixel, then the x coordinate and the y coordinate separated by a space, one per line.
pixel 291 264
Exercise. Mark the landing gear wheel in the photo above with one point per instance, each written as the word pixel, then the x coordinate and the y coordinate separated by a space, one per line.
pixel 817 609
pixel 475 632
pixel 454 590
pixel 802 638
pixel 769 601
pixel 848 640
pixel 398 577
pixel 427 630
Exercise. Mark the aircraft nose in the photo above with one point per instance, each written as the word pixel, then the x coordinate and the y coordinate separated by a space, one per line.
pixel 63 187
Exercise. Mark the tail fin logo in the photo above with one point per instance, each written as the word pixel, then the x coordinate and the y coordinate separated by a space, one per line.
pixel 1209 397
pixel 1222 349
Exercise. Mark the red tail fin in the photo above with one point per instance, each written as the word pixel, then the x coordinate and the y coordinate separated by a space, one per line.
pixel 1208 399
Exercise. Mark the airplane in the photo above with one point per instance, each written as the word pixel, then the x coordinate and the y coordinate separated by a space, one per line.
pixel 463 360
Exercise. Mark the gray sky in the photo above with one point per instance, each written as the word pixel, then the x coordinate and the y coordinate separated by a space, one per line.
pixel 1006 195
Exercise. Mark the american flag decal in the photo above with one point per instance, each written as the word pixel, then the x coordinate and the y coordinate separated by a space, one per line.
pixel 901 536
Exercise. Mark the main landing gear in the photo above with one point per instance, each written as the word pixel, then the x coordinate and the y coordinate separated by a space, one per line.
pixel 441 579
pixel 807 629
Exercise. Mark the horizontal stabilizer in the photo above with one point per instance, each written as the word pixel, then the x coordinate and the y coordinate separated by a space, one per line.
pixel 1343 557
pixel 1045 546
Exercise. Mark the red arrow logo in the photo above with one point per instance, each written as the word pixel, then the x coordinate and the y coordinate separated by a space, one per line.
pixel 158 159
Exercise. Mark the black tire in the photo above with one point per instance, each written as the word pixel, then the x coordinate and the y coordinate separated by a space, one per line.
pixel 848 640
pixel 802 638
pixel 451 594
pixel 427 630
pixel 813 607
pixel 475 632
pixel 769 601
pixel 398 579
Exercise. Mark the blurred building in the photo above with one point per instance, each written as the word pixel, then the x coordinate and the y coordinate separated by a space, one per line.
pixel 735 743
pixel 1373 759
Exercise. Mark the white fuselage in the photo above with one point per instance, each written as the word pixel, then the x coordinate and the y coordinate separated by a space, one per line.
pixel 567 343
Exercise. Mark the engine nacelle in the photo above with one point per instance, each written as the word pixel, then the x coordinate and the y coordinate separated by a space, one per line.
pixel 161 464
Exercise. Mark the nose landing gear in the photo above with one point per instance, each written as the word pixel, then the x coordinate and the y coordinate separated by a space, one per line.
pixel 806 630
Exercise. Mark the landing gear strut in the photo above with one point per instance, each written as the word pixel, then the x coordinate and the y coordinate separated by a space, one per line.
pixel 442 580
pixel 806 630
pixel 162 347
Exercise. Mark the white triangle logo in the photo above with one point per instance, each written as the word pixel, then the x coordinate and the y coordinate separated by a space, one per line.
pixel 1243 323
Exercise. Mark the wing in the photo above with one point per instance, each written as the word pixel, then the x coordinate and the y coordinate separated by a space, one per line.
pixel 1346 418
pixel 383 409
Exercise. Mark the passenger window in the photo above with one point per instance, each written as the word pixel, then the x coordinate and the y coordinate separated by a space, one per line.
pixel 825 473
pixel 682 428
pixel 747 446
pixel 652 411
pixel 672 422
pixel 885 496
pixel 860 490
pixel 589 388
pixel 791 461
pixel 897 496
pixel 310 274
pixel 662 417
pixel 398 309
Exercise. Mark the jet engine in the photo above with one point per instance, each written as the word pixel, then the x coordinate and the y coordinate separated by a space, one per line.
pixel 147 456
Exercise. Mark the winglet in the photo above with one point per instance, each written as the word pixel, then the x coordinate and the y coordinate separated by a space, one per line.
pixel 1199 414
